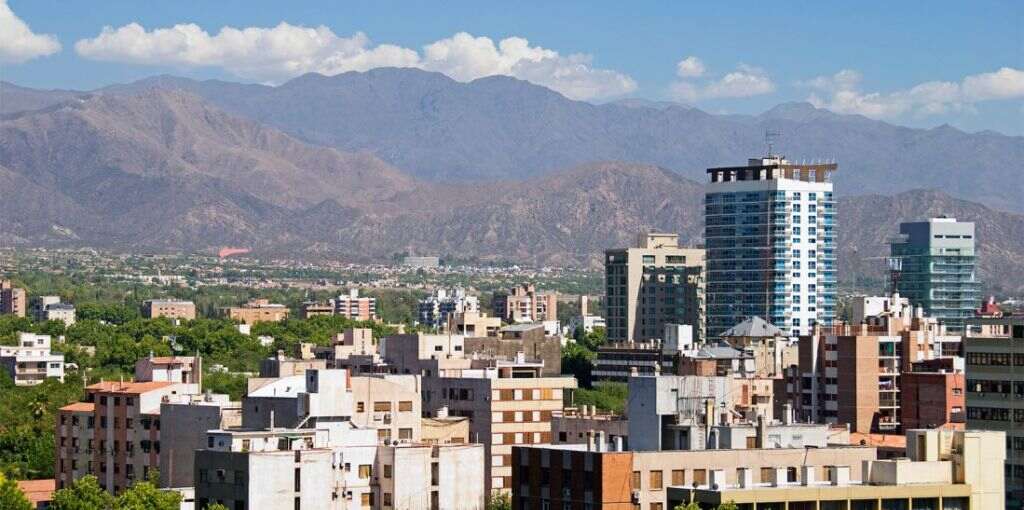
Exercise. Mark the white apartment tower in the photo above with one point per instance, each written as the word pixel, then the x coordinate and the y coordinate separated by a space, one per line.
pixel 770 235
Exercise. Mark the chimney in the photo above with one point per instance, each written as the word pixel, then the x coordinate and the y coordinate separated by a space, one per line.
pixel 807 475
pixel 744 477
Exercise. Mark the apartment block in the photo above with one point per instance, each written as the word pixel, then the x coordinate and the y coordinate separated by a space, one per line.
pixel 471 324
pixel 994 352
pixel 932 398
pixel 508 403
pixel 257 310
pixel 172 309
pixel 524 304
pixel 853 373
pixel 770 237
pixel 434 310
pixel 49 308
pixel 13 300
pixel 652 284
pixel 933 264
pixel 31 362
pixel 617 361
pixel 577 425
pixel 355 307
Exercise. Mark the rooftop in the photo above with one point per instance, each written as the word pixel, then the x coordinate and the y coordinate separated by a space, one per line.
pixel 130 387
pixel 79 407
pixel 753 327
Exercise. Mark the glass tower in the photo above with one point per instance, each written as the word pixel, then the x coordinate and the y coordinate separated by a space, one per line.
pixel 932 265
pixel 770 239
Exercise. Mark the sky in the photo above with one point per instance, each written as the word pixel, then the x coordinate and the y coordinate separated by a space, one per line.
pixel 919 64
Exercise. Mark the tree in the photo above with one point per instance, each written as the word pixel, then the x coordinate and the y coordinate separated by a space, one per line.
pixel 11 497
pixel 689 506
pixel 499 502
pixel 579 362
pixel 215 506
pixel 84 494
pixel 728 505
pixel 145 496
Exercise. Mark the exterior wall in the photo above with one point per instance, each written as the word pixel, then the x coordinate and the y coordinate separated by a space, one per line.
pixel 766 223
pixel 994 352
pixel 573 429
pixel 254 314
pixel 553 478
pixel 932 399
pixel 642 282
pixel 30 362
pixel 185 310
pixel 432 477
pixel 183 431
pixel 392 404
pixel 74 437
pixel 525 304
pixel 13 300
pixel 355 307
pixel 545 348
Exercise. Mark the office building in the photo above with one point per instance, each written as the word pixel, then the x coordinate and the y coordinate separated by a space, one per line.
pixel 932 264
pixel 652 284
pixel 435 309
pixel 994 353
pixel 170 308
pixel 770 238
pixel 524 304
pixel 354 307
pixel 257 310
pixel 13 300
pixel 31 362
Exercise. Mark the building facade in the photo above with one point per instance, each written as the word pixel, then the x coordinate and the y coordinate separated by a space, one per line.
pixel 354 307
pixel 770 237
pixel 994 352
pixel 435 309
pixel 257 310
pixel 932 264
pixel 524 304
pixel 31 362
pixel 172 309
pixel 13 300
pixel 653 284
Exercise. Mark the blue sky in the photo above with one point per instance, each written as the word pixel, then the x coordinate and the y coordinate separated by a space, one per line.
pixel 916 64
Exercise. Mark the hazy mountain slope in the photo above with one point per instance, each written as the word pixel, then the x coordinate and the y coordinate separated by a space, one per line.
pixel 500 127
pixel 14 98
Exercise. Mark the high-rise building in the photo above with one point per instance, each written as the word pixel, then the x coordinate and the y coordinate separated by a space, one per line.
pixel 932 264
pixel 12 299
pixel 770 237
pixel 435 309
pixel 994 352
pixel 653 284
pixel 353 306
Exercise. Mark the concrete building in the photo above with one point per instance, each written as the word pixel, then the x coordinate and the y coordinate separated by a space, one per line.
pixel 652 284
pixel 31 362
pixel 770 236
pixel 547 349
pixel 508 403
pixel 257 310
pixel 943 470
pixel 524 304
pixel 472 324
pixel 770 348
pixel 284 366
pixel 580 476
pixel 391 404
pixel 170 308
pixel 575 425
pixel 852 374
pixel 49 308
pixel 13 300
pixel 932 264
pixel 933 396
pixel 435 309
pixel 994 352
pixel 184 421
pixel 355 307
pixel 312 309
pixel 617 361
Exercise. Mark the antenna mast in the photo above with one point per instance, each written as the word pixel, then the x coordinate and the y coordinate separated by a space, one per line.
pixel 769 140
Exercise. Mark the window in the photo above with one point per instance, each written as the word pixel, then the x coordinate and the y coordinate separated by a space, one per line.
pixel 636 480
pixel 387 499
pixel 381 407
pixel 405 406
pixel 387 470
pixel 766 475
pixel 360 407
pixel 656 481
pixel 405 433
pixel 364 470
pixel 678 476
pixel 657 506
pixel 700 477
pixel 298 480
pixel 366 500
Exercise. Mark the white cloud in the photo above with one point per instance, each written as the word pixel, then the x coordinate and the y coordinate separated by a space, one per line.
pixel 285 51
pixel 17 41
pixel 744 81
pixel 843 94
pixel 690 67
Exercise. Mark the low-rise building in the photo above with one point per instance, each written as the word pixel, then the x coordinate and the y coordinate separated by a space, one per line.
pixel 312 309
pixel 257 310
pixel 472 324
pixel 31 362
pixel 170 308
pixel 49 308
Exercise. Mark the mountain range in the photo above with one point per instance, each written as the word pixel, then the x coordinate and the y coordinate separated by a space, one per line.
pixel 364 165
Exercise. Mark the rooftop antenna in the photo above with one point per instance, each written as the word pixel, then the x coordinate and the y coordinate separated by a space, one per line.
pixel 769 140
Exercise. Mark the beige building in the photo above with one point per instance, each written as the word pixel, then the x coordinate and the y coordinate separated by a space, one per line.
pixel 170 308
pixel 13 300
pixel 472 323
pixel 524 304
pixel 653 284
pixel 508 403
pixel 947 470
pixel 31 362
pixel 994 352
pixel 391 404
pixel 257 310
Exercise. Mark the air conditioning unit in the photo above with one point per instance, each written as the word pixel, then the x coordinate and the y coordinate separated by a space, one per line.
pixel 635 497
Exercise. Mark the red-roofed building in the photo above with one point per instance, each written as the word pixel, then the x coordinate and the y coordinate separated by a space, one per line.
pixel 38 492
